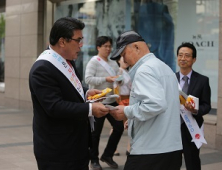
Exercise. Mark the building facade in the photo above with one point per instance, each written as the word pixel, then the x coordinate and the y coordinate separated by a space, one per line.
pixel 164 24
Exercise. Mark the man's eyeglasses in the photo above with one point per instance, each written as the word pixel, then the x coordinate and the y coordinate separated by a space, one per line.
pixel 186 56
pixel 80 41
pixel 107 46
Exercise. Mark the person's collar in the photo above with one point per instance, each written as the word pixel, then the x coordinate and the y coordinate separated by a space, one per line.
pixel 141 61
pixel 188 75
pixel 50 48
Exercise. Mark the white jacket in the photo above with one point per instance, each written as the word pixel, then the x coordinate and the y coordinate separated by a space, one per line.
pixel 153 113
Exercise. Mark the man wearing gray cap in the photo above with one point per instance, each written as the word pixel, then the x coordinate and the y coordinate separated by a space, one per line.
pixel 153 112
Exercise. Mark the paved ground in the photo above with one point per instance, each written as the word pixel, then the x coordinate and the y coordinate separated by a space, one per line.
pixel 16 144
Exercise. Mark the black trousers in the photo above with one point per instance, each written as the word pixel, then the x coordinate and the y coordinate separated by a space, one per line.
pixel 190 151
pixel 162 161
pixel 113 140
pixel 55 165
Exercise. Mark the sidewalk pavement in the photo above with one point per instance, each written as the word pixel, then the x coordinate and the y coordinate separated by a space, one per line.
pixel 16 147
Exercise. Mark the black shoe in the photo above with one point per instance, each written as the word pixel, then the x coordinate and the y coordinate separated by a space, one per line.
pixel 116 154
pixel 127 153
pixel 109 161
pixel 95 165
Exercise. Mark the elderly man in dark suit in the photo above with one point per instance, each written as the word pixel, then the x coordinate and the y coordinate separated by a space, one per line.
pixel 61 122
pixel 198 86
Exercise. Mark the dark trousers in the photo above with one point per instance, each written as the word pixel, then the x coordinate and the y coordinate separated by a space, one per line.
pixel 162 161
pixel 113 140
pixel 56 165
pixel 190 151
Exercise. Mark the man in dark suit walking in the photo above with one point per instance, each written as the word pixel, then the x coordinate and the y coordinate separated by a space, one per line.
pixel 61 122
pixel 196 85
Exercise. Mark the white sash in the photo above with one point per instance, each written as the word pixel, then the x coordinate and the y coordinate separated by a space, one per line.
pixel 196 133
pixel 105 65
pixel 61 64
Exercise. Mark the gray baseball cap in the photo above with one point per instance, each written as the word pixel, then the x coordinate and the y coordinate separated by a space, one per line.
pixel 123 40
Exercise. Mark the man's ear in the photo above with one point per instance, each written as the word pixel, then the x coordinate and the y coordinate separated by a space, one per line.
pixel 194 60
pixel 61 42
pixel 136 47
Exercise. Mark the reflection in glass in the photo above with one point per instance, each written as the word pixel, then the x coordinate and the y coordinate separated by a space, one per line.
pixel 100 18
pixel 198 23
pixel 164 24
pixel 154 23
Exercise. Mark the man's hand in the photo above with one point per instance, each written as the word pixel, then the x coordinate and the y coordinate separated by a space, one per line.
pixel 110 79
pixel 99 110
pixel 93 92
pixel 126 124
pixel 119 113
pixel 190 108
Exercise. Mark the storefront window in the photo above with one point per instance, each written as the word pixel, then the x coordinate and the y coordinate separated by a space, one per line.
pixel 198 22
pixel 153 20
pixel 164 24
pixel 100 18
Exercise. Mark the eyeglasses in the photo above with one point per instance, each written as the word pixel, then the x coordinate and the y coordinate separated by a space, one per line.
pixel 80 41
pixel 186 56
pixel 107 46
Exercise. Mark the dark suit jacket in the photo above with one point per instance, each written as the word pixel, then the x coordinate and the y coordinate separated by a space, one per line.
pixel 200 88
pixel 60 123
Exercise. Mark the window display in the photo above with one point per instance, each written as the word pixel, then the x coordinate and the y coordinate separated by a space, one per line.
pixel 164 24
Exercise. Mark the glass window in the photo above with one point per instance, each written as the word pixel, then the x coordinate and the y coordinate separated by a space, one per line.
pixel 164 24
pixel 100 18
pixel 154 22
pixel 198 22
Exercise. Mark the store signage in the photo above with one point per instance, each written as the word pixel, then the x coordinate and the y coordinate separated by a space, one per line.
pixel 198 41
